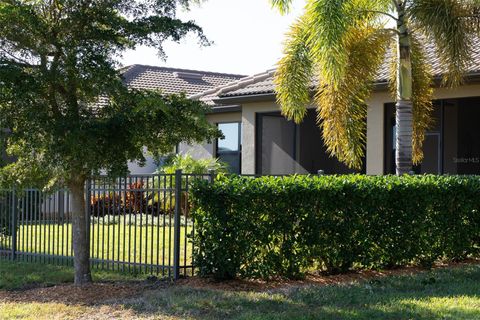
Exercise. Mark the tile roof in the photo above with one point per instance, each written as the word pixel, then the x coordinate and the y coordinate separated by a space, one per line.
pixel 239 85
pixel 174 80
pixel 262 83
pixel 434 61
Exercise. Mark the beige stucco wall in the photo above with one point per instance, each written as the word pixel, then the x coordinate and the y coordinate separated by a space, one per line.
pixel 465 91
pixel 375 131
pixel 375 127
pixel 248 118
pixel 249 111
pixel 148 168
pixel 375 121
pixel 206 150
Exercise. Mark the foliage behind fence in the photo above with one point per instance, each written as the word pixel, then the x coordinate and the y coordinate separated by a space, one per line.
pixel 138 224
pixel 284 226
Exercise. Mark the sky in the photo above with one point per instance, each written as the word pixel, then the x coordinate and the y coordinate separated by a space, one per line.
pixel 248 38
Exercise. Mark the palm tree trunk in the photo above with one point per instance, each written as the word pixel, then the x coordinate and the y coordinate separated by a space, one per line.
pixel 81 243
pixel 404 107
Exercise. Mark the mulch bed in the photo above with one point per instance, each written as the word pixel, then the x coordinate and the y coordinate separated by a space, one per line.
pixel 98 293
pixel 317 279
pixel 71 295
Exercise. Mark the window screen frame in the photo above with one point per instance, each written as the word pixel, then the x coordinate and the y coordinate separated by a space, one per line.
pixel 238 153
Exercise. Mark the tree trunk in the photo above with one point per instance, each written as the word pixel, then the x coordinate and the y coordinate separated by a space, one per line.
pixel 81 242
pixel 403 151
pixel 404 107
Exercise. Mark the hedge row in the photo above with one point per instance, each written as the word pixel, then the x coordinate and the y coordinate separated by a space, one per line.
pixel 267 227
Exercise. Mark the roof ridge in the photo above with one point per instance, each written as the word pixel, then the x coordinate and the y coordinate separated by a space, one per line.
pixel 236 85
pixel 173 69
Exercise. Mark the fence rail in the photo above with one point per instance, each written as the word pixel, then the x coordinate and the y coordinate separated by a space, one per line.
pixel 139 223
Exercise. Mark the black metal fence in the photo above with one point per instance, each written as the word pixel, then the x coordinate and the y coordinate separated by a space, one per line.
pixel 140 223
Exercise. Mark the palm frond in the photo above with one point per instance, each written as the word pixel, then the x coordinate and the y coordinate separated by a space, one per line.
pixel 473 17
pixel 446 22
pixel 329 21
pixel 342 43
pixel 422 89
pixel 342 107
pixel 283 6
pixel 294 74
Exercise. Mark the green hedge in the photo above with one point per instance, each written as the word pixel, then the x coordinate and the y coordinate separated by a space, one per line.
pixel 267 227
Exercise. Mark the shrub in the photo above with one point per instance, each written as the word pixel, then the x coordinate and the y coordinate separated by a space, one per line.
pixel 139 220
pixel 107 204
pixel 136 199
pixel 267 227
pixel 190 165
pixel 28 205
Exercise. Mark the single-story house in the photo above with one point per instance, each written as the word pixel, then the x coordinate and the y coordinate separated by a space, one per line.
pixel 171 80
pixel 259 140
pixel 168 81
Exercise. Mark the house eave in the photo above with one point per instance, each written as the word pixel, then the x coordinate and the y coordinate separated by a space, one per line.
pixel 379 86
pixel 225 109
pixel 246 98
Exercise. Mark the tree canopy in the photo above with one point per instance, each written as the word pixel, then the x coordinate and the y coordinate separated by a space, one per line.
pixel 62 95
pixel 343 43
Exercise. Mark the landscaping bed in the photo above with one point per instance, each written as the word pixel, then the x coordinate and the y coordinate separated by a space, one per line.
pixel 448 291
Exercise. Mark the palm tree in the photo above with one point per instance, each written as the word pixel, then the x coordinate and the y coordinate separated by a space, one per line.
pixel 343 43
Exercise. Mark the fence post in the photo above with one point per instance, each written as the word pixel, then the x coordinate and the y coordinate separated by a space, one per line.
pixel 14 223
pixel 176 230
pixel 88 195
pixel 61 205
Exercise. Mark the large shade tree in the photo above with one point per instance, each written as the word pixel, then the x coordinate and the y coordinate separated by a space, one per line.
pixel 67 113
pixel 343 43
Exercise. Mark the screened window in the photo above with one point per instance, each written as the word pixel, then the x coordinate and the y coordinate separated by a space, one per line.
pixel 285 148
pixel 229 148
pixel 452 144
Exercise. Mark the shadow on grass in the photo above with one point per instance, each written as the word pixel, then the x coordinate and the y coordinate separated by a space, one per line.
pixel 25 275
pixel 15 276
pixel 440 294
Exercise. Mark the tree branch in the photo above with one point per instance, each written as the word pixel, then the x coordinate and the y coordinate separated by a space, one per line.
pixel 381 12
pixel 53 85
pixel 392 30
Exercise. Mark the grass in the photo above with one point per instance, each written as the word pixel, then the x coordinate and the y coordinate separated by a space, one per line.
pixel 53 311
pixel 119 239
pixel 445 294
pixel 452 293
pixel 22 275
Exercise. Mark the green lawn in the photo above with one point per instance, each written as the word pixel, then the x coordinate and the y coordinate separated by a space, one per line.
pixel 145 242
pixel 452 293
pixel 21 275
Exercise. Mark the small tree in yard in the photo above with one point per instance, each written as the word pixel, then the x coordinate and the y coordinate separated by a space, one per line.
pixel 63 101
pixel 344 42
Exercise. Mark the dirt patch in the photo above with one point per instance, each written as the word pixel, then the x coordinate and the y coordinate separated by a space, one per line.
pixel 113 292
pixel 68 294
pixel 311 279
